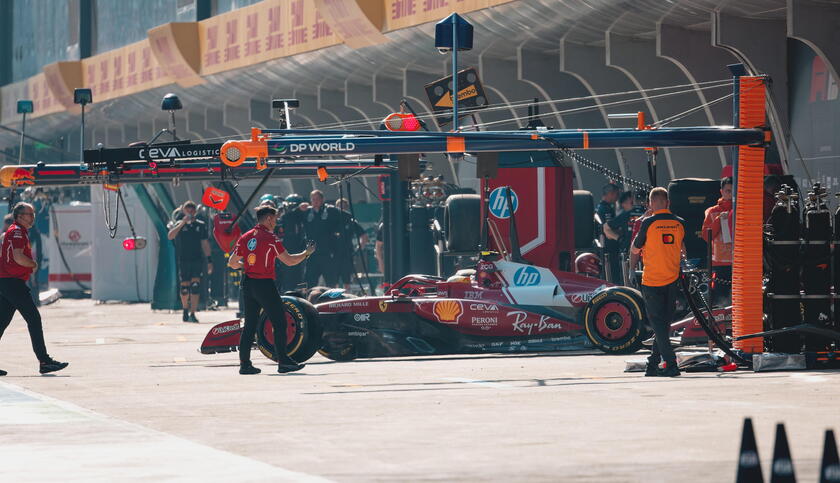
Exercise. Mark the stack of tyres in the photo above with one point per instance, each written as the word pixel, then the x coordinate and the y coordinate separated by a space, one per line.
pixel 816 266
pixel 783 282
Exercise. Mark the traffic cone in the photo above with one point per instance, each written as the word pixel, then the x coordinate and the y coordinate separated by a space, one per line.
pixel 781 471
pixel 830 466
pixel 749 466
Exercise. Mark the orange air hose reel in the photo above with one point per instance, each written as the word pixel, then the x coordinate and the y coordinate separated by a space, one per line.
pixel 234 153
pixel 747 263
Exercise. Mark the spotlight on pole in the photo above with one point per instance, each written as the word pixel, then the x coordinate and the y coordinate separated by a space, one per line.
pixel 171 103
pixel 83 97
pixel 24 106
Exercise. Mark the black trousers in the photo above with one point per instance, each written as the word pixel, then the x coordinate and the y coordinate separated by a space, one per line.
pixel 259 293
pixel 661 305
pixel 15 296
pixel 318 265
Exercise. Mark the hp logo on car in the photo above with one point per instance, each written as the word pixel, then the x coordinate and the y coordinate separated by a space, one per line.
pixel 526 276
pixel 498 202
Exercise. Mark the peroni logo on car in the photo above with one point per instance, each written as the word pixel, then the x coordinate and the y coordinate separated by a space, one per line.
pixel 498 202
pixel 526 277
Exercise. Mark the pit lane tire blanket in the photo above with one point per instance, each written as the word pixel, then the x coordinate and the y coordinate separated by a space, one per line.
pixel 303 333
pixel 816 274
pixel 462 219
pixel 614 320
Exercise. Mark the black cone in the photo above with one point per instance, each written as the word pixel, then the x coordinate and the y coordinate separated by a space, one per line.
pixel 781 470
pixel 830 466
pixel 749 466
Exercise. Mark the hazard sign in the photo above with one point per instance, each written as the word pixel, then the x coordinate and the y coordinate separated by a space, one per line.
pixel 471 95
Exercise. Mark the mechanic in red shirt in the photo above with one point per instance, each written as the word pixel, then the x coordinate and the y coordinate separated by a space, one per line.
pixel 16 264
pixel 256 251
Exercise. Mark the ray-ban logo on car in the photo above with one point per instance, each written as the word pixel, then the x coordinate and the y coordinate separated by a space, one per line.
pixel 526 277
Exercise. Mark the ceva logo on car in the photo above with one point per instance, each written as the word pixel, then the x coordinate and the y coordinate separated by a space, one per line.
pixel 526 277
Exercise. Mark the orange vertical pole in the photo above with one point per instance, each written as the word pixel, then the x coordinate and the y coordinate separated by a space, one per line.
pixel 747 263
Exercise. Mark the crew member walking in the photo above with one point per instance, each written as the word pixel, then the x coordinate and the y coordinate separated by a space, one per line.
pixel 16 265
pixel 256 251
pixel 660 242
pixel 192 248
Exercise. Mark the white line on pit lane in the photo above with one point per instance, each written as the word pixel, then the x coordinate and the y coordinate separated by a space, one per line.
pixel 479 382
pixel 92 446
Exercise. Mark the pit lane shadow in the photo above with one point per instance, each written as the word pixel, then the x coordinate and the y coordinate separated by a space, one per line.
pixel 465 357
pixel 507 384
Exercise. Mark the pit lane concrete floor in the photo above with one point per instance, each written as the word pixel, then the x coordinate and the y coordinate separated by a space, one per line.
pixel 139 403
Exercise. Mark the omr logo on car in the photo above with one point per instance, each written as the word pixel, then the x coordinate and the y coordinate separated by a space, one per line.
pixel 526 277
pixel 498 202
pixel 448 311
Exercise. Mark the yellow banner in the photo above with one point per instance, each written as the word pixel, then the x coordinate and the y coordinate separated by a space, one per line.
pixel 264 31
pixel 400 14
pixel 175 47
pixel 35 89
pixel 123 71
pixel 357 22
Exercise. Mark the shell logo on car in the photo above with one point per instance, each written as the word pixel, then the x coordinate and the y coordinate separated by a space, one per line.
pixel 448 311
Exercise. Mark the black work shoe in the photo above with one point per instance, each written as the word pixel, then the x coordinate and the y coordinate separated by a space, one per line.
pixel 651 370
pixel 2 372
pixel 186 316
pixel 289 366
pixel 192 318
pixel 52 365
pixel 669 371
pixel 248 368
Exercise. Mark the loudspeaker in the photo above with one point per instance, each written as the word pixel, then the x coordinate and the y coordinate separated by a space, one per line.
pixel 408 166
pixel 487 165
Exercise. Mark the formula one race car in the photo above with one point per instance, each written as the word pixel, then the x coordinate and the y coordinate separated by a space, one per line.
pixel 501 306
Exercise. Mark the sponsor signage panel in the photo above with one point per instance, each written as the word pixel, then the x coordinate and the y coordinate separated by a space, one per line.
pixel 400 14
pixel 261 32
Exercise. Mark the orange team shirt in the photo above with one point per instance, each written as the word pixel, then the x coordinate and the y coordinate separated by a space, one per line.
pixel 661 235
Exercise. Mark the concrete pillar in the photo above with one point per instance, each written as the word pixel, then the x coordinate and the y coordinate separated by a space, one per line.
pixel 542 70
pixel 638 60
pixel 587 64
pixel 816 24
pixel 692 52
pixel 762 46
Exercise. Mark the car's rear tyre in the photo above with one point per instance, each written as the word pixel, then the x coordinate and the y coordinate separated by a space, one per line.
pixel 462 220
pixel 303 331
pixel 614 320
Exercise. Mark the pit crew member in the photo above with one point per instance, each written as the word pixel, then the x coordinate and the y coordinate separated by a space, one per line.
pixel 16 265
pixel 190 235
pixel 661 237
pixel 256 251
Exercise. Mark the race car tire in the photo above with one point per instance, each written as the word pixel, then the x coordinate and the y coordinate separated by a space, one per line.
pixel 303 333
pixel 615 320
pixel 462 223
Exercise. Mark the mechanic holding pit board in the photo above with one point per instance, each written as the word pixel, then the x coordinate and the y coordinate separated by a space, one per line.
pixel 660 243
pixel 256 251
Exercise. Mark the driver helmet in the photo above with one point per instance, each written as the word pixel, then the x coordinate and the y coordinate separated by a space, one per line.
pixel 588 264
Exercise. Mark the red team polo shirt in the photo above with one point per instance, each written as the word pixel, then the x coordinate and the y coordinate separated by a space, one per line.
pixel 258 249
pixel 16 237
